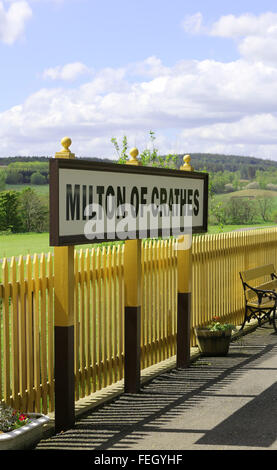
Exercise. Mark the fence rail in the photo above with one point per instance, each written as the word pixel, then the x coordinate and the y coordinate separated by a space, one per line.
pixel 27 309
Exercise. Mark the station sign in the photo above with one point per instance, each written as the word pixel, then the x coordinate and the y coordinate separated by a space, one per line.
pixel 95 202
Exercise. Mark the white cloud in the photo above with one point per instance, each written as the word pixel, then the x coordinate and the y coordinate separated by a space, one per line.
pixel 13 20
pixel 150 67
pixel 68 72
pixel 192 106
pixel 252 135
pixel 193 24
pixel 231 26
pixel 255 35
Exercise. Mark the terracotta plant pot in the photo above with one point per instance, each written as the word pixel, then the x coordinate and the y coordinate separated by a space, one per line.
pixel 25 437
pixel 213 343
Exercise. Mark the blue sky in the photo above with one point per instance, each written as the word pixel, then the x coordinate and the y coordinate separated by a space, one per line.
pixel 201 74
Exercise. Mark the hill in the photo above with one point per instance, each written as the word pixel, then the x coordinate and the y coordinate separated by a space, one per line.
pixel 200 161
pixel 216 162
pixel 250 193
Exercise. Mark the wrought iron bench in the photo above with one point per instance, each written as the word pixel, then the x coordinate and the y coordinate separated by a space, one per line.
pixel 260 299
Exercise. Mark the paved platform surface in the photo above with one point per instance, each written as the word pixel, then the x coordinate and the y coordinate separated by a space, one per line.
pixel 224 403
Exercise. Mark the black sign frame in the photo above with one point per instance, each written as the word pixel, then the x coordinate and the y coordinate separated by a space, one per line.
pixel 55 164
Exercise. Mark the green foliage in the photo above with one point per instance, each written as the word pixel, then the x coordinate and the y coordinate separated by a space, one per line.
pixel 11 419
pixel 219 180
pixel 2 180
pixel 247 167
pixel 217 213
pixel 23 211
pixel 33 211
pixel 33 166
pixel 215 325
pixel 240 211
pixel 9 212
pixel 121 154
pixel 13 176
pixel 21 172
pixel 273 216
pixel 38 178
pixel 264 205
pixel 148 157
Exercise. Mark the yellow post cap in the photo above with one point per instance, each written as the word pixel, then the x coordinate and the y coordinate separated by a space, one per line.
pixel 65 152
pixel 187 166
pixel 66 142
pixel 133 160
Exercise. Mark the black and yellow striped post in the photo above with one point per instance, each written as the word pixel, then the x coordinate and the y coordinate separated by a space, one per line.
pixel 184 273
pixel 132 314
pixel 64 326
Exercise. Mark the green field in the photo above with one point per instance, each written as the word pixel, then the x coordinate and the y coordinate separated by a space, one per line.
pixel 250 193
pixel 230 228
pixel 30 243
pixel 26 243
pixel 42 189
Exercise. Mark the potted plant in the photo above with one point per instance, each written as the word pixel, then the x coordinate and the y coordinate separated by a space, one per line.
pixel 18 430
pixel 214 339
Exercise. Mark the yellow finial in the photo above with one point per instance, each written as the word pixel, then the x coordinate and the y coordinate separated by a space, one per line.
pixel 133 160
pixel 66 142
pixel 187 166
pixel 65 152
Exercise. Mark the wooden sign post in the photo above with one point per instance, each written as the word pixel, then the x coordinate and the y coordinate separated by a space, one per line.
pixel 184 274
pixel 64 326
pixel 132 312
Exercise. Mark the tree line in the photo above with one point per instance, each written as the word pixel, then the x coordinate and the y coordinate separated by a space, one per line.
pixel 23 211
pixel 26 170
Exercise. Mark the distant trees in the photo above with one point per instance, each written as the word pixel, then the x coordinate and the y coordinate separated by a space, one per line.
pixel 265 206
pixel 247 166
pixel 2 180
pixel 224 181
pixel 241 210
pixel 9 212
pixel 23 211
pixel 33 211
pixel 38 178
pixel 13 176
pixel 34 172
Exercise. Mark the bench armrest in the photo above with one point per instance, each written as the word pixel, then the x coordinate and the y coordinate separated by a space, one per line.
pixel 263 293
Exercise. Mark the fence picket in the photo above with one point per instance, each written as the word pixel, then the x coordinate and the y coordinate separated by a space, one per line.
pixel 36 326
pixel 6 334
pixel 14 334
pixel 50 348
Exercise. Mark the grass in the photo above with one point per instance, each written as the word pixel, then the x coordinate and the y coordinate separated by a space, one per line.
pixel 230 228
pixel 23 243
pixel 42 189
pixel 30 243
pixel 26 243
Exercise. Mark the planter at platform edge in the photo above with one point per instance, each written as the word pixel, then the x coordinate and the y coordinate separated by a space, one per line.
pixel 213 343
pixel 25 437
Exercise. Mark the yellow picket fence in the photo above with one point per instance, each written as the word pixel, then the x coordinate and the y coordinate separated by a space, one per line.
pixel 27 309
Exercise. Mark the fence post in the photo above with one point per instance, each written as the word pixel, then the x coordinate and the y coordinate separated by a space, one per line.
pixel 184 274
pixel 64 326
pixel 132 311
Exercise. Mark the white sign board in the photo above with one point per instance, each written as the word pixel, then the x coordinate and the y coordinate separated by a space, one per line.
pixel 93 202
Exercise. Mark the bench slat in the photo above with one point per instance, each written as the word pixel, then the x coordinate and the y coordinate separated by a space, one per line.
pixel 255 273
